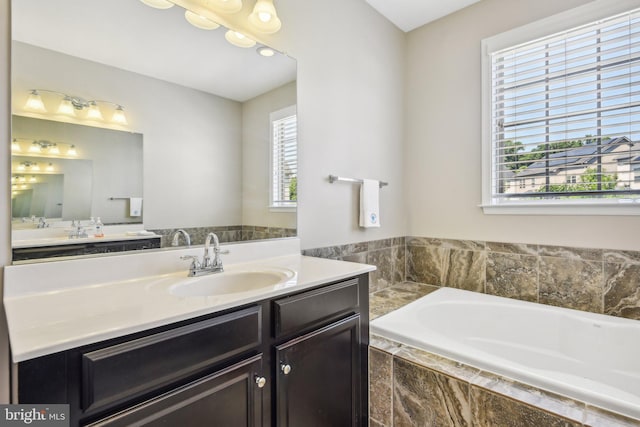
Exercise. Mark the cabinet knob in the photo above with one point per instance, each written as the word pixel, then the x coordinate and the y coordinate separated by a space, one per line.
pixel 285 368
pixel 261 381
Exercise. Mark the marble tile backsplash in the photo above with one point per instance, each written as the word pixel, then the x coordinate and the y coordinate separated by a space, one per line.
pixel 226 234
pixel 595 280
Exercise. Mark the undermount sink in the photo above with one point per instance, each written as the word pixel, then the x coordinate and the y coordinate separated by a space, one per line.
pixel 231 282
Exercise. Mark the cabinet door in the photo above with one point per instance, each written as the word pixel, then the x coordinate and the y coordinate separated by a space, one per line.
pixel 317 377
pixel 231 397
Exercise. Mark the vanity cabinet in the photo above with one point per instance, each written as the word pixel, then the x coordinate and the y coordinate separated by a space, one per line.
pixel 296 359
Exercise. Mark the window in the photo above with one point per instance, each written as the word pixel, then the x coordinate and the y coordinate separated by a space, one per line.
pixel 284 159
pixel 562 108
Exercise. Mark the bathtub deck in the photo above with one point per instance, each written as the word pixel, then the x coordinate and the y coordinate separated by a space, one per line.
pixel 472 395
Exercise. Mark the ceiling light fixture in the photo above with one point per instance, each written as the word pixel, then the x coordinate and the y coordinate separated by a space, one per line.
pixel 239 39
pixel 264 17
pixel 72 106
pixel 158 4
pixel 200 21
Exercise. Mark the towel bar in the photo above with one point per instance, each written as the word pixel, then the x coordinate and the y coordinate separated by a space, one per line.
pixel 334 178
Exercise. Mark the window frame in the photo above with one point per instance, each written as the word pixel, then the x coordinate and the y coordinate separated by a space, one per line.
pixel 572 18
pixel 273 117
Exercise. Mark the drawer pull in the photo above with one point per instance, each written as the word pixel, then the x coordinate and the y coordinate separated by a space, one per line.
pixel 285 369
pixel 261 381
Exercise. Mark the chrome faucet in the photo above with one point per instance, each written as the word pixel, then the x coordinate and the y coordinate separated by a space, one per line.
pixel 43 223
pixel 210 264
pixel 176 238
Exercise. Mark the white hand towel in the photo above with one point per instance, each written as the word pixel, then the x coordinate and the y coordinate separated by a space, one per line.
pixel 135 206
pixel 369 203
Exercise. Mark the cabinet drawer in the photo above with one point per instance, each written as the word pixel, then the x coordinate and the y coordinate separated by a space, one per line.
pixel 306 309
pixel 126 370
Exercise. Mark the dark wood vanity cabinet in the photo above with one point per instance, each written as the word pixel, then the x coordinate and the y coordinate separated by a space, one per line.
pixel 295 360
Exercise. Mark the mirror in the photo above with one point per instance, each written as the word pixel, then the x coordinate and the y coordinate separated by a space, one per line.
pixel 203 107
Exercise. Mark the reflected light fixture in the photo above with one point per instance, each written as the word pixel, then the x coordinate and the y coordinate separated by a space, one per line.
pixel 94 112
pixel 158 4
pixel 226 6
pixel 49 167
pixel 73 106
pixel 33 179
pixel 66 107
pixel 34 102
pixel 200 21
pixel 239 39
pixel 264 17
pixel 118 116
pixel 15 147
pixel 72 151
pixel 266 51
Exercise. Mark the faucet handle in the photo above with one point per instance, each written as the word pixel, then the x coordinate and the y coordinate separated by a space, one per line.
pixel 193 258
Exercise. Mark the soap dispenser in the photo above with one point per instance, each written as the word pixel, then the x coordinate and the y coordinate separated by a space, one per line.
pixel 99 228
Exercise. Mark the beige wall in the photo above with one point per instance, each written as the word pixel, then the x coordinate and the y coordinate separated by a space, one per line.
pixel 350 112
pixel 443 106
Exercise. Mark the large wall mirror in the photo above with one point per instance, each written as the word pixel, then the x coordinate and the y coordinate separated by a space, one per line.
pixel 186 123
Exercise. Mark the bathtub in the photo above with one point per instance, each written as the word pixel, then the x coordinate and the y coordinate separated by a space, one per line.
pixel 589 357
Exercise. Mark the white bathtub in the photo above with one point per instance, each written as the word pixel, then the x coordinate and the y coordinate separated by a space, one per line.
pixel 590 357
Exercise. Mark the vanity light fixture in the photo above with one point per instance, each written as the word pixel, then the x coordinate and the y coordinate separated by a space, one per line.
pixel 239 39
pixel 264 17
pixel 43 146
pixel 225 6
pixel 15 147
pixel 200 21
pixel 33 179
pixel 49 167
pixel 72 151
pixel 70 105
pixel 158 4
pixel 32 166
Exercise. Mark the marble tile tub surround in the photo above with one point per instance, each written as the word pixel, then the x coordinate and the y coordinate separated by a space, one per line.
pixel 596 280
pixel 410 387
pixel 388 255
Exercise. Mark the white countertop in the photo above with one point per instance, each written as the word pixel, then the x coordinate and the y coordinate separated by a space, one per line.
pixel 50 314
pixel 63 241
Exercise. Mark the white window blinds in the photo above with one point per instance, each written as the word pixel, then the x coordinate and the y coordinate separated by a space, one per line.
pixel 565 115
pixel 284 171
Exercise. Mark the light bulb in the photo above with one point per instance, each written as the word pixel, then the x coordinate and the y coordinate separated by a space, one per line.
pixel 200 21
pixel 264 17
pixel 22 179
pixel 118 116
pixel 66 107
pixel 35 167
pixel 34 102
pixel 35 148
pixel 15 147
pixel 226 6
pixel 266 51
pixel 72 151
pixel 21 167
pixel 53 149
pixel 239 39
pixel 49 167
pixel 33 179
pixel 158 4
pixel 94 112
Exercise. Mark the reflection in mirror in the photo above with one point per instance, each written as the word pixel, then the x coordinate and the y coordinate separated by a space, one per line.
pixel 203 106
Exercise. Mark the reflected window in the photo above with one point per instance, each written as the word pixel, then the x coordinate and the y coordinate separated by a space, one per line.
pixel 284 158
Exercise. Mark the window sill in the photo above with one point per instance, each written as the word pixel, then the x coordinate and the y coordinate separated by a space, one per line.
pixel 282 208
pixel 564 208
